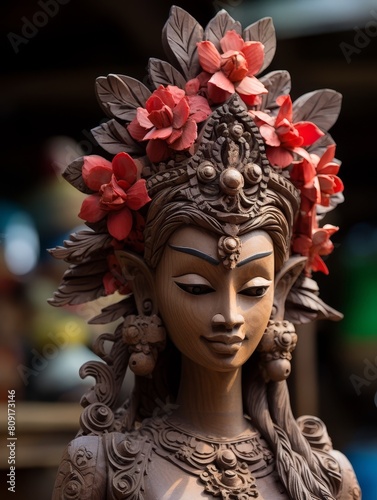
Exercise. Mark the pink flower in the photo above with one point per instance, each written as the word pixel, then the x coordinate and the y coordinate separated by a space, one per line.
pixel 119 192
pixel 234 69
pixel 168 121
pixel 319 244
pixel 283 138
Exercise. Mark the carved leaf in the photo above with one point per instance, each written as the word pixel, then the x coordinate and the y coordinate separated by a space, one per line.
pixel 73 174
pixel 121 95
pixel 115 311
pixel 219 25
pixel 163 73
pixel 321 107
pixel 263 31
pixel 335 199
pixel 320 145
pixel 277 83
pixel 81 283
pixel 304 305
pixel 81 245
pixel 114 138
pixel 179 38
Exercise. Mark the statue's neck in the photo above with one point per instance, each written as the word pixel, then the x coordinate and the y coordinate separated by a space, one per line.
pixel 210 403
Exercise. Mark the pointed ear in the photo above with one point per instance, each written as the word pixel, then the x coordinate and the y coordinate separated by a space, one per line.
pixel 141 280
pixel 284 281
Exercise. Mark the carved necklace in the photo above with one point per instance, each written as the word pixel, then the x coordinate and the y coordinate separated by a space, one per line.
pixel 227 468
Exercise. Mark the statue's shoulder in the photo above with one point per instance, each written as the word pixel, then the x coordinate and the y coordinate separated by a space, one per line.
pixel 350 489
pixel 82 471
pixel 109 466
pixel 338 466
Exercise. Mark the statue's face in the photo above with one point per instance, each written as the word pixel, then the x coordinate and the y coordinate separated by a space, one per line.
pixel 215 316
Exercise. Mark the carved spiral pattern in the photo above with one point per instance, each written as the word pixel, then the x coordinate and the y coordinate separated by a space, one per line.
pixel 96 418
pixel 315 432
pixel 252 173
pixel 72 489
pixel 123 484
pixel 103 390
pixel 206 172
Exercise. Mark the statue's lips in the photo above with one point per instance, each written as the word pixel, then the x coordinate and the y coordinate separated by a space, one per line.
pixel 224 344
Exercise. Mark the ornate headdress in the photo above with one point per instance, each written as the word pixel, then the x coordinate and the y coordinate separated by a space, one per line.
pixel 209 132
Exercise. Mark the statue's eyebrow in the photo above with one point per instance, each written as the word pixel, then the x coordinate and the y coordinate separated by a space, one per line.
pixel 254 257
pixel 215 262
pixel 196 253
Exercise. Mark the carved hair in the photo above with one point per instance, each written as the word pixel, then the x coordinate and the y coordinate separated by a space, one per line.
pixel 304 473
pixel 168 211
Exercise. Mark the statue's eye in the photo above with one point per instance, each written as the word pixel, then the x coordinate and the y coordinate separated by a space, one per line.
pixel 254 291
pixel 195 289
pixel 257 287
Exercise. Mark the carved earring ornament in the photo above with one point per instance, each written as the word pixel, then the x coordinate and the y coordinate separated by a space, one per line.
pixel 275 348
pixel 145 337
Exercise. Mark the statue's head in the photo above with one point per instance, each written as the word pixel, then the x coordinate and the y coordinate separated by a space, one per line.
pixel 214 178
pixel 218 228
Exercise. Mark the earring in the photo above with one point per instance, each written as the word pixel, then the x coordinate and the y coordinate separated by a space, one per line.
pixel 145 337
pixel 275 347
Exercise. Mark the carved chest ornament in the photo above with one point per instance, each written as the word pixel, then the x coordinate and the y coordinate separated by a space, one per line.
pixel 226 468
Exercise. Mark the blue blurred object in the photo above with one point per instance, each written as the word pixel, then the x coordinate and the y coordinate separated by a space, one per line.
pixel 19 239
pixel 363 458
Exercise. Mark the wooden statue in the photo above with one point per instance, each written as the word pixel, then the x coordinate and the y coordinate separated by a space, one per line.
pixel 206 220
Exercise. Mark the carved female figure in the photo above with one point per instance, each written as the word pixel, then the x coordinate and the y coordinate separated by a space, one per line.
pixel 210 231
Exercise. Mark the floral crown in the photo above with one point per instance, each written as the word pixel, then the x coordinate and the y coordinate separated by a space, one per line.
pixel 159 128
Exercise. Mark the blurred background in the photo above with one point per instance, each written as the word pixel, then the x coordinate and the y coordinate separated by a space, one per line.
pixel 52 52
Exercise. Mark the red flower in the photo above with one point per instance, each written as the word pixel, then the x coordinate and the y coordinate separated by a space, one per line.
pixel 119 192
pixel 317 179
pixel 319 244
pixel 327 182
pixel 283 138
pixel 234 69
pixel 168 121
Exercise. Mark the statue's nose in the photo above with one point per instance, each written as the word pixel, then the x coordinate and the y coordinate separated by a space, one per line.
pixel 228 321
